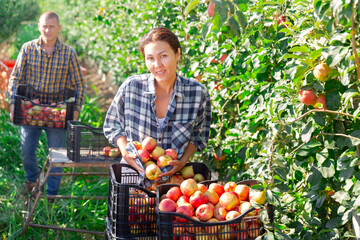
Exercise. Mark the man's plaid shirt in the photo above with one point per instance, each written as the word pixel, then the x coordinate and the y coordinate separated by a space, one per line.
pixel 52 74
pixel 132 113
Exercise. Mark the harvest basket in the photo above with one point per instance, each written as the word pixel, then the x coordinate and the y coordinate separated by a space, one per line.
pixel 43 109
pixel 86 143
pixel 173 226
pixel 132 208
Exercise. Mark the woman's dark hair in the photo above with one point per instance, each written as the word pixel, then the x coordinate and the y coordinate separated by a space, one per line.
pixel 160 34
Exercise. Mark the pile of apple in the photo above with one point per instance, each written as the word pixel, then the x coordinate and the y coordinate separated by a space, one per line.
pixel 213 204
pixel 154 157
pixel 111 152
pixel 36 114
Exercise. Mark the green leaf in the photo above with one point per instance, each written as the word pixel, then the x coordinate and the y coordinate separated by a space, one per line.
pixel 333 100
pixel 341 196
pixel 333 223
pixel 356 140
pixel 192 4
pixel 234 26
pixel 327 169
pixel 307 132
pixel 309 149
pixel 242 20
pixel 303 49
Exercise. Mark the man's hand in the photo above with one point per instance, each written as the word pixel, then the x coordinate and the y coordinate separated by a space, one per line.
pixel 130 159
pixel 76 115
pixel 177 166
pixel 12 112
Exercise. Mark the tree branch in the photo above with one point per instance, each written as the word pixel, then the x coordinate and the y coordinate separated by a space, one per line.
pixel 325 111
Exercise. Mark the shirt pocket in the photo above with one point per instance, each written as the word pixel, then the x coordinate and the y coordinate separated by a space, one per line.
pixel 181 134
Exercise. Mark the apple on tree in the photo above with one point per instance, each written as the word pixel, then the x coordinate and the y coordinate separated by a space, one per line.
pixel 320 102
pixel 307 97
pixel 322 72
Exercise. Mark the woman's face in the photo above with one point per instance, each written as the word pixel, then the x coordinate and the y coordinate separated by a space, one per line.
pixel 161 60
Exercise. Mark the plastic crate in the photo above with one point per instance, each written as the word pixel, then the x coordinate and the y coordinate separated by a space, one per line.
pixel 132 208
pixel 43 109
pixel 86 143
pixel 239 228
pixel 6 67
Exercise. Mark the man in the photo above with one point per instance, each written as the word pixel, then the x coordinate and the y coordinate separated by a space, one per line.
pixel 48 65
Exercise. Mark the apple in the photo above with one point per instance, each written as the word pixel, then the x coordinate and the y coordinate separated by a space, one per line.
pixel 59 124
pixel 50 124
pixel 192 228
pixel 244 206
pixel 167 205
pixel 202 187
pixel 218 188
pixel 322 72
pixel 231 215
pixel 229 201
pixel 256 196
pixel 157 152
pixel 148 163
pixel 114 152
pixel 230 186
pixel 212 196
pixel 188 187
pixel 144 155
pixel 307 97
pixel 55 112
pixel 223 57
pixel 198 198
pixel 183 199
pixel 204 212
pixel 37 110
pixel 172 153
pixel 185 209
pixel 217 158
pixel 137 145
pixel 163 161
pixel 28 104
pixel 148 144
pixel 176 178
pixel 281 20
pixel 152 172
pixel 63 112
pixel 40 123
pixel 106 150
pixel 187 172
pixel 174 193
pixel 220 213
pixel 320 99
pixel 243 191
pixel 36 101
pixel 199 177
pixel 212 229
pixel 210 9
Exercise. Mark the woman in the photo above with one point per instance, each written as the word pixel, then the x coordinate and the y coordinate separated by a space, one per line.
pixel 172 109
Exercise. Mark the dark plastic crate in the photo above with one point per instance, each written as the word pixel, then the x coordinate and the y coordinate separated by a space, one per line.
pixel 132 208
pixel 240 228
pixel 52 109
pixel 86 143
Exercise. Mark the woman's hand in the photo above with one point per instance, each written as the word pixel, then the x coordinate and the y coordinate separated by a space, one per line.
pixel 130 159
pixel 177 166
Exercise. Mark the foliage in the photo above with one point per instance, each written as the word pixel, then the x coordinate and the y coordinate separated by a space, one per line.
pixel 13 13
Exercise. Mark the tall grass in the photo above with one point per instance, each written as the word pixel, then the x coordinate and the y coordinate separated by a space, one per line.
pixel 69 213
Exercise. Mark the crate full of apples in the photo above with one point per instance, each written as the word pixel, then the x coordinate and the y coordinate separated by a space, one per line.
pixel 88 144
pixel 43 109
pixel 219 211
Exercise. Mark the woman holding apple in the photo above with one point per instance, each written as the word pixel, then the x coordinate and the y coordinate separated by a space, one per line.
pixel 174 110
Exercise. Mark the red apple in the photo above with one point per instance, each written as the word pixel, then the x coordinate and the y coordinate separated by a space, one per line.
pixel 202 187
pixel 28 104
pixel 307 97
pixel 187 172
pixel 230 186
pixel 243 191
pixel 152 172
pixel 320 99
pixel 198 198
pixel 188 187
pixel 210 9
pixel 229 201
pixel 204 212
pixel 199 177
pixel 223 57
pixel 157 152
pixel 63 112
pixel 163 161
pixel 176 178
pixel 212 196
pixel 218 188
pixel 149 144
pixel 55 112
pixel 185 209
pixel 220 213
pixel 172 153
pixel 174 193
pixel 144 155
pixel 106 150
pixel 231 215
pixel 167 205
pixel 182 200
pixel 137 145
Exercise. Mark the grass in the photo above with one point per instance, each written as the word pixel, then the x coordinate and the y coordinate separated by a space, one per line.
pixel 70 213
